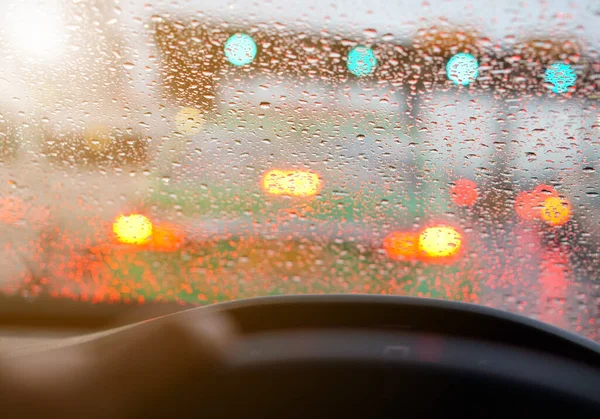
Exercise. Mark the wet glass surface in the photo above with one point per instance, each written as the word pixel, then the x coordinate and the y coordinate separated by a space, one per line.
pixel 199 152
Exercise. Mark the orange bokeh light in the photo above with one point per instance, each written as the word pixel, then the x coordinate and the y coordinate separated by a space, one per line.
pixel 464 192
pixel 167 237
pixel 401 245
pixel 301 183
pixel 556 211
pixel 440 241
pixel 529 205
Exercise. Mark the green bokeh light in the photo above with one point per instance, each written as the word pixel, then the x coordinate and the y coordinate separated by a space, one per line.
pixel 561 76
pixel 240 49
pixel 462 69
pixel 361 61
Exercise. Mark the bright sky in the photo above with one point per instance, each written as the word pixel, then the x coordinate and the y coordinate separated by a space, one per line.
pixel 34 23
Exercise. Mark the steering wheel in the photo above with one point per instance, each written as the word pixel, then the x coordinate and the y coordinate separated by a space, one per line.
pixel 377 356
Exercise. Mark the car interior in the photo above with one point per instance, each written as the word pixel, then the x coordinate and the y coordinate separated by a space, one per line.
pixel 357 355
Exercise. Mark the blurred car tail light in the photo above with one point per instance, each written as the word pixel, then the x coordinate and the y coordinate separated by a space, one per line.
pixel 543 203
pixel 526 206
pixel 556 211
pixel 401 245
pixel 440 241
pixel 167 237
pixel 133 229
pixel 301 183
pixel 464 192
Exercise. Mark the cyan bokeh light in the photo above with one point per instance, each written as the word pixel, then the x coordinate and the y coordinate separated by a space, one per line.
pixel 561 76
pixel 240 49
pixel 462 69
pixel 361 61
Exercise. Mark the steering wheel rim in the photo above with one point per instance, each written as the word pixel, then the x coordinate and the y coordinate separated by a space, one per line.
pixel 404 313
pixel 285 361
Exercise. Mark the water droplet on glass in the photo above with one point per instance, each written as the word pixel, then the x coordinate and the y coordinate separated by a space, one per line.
pixel 370 32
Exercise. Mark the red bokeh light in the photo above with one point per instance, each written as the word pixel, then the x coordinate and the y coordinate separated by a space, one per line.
pixel 527 206
pixel 464 192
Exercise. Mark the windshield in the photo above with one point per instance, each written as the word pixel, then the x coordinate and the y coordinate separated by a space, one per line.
pixel 202 151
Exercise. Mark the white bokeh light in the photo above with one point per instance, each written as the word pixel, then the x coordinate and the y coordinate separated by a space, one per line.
pixel 36 29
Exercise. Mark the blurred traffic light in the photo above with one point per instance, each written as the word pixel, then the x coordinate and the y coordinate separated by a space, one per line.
pixel 552 59
pixel 561 76
pixel 462 69
pixel 240 49
pixel 361 61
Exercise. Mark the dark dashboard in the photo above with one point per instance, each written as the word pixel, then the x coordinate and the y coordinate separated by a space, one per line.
pixel 356 356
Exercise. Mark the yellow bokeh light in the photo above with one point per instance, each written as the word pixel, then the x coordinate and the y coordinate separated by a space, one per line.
pixel 98 137
pixel 189 120
pixel 133 229
pixel 556 211
pixel 291 182
pixel 440 241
